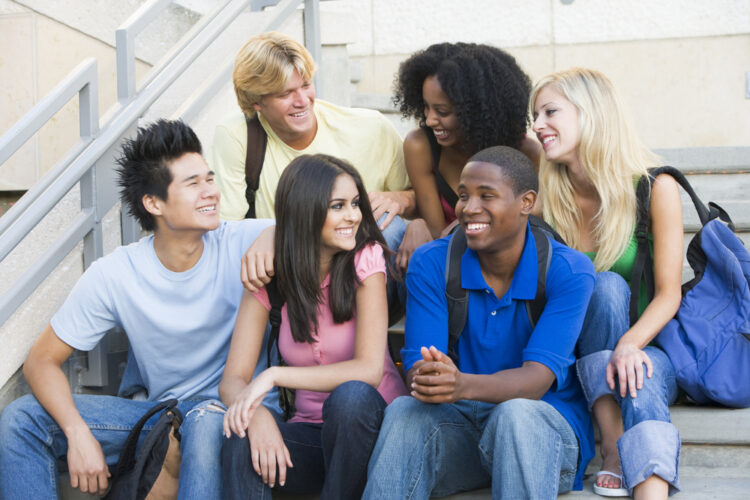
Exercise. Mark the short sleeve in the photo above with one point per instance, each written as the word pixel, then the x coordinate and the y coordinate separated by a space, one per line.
pixel 87 314
pixel 369 260
pixel 262 297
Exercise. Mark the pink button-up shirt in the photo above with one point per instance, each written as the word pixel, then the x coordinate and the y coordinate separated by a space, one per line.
pixel 333 343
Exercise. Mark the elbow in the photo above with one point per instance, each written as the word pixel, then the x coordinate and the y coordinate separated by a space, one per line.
pixel 373 376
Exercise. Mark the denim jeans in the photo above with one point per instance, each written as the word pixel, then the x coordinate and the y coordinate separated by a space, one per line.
pixel 523 448
pixel 330 458
pixel 32 443
pixel 650 444
pixel 393 235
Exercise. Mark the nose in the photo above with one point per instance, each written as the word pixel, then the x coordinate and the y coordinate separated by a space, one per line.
pixel 538 124
pixel 471 205
pixel 300 99
pixel 430 118
pixel 353 214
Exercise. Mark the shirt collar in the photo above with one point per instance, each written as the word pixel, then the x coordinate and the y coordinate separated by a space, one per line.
pixel 523 286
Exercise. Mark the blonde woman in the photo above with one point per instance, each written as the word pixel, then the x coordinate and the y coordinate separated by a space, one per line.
pixel 592 162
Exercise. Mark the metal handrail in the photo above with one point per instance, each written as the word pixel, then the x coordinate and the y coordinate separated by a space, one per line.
pixel 79 165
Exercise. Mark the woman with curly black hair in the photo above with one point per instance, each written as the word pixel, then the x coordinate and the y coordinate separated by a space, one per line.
pixel 466 98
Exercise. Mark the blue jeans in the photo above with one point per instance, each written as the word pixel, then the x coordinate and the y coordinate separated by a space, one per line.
pixel 32 443
pixel 650 444
pixel 329 458
pixel 393 235
pixel 523 448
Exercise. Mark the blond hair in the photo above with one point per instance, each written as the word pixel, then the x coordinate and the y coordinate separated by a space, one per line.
pixel 264 65
pixel 611 156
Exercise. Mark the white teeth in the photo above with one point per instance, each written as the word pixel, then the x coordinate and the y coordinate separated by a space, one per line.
pixel 475 226
pixel 345 232
pixel 209 208
pixel 549 139
pixel 440 133
pixel 299 115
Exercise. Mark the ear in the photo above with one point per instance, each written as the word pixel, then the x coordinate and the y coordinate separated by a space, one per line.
pixel 256 106
pixel 152 204
pixel 528 199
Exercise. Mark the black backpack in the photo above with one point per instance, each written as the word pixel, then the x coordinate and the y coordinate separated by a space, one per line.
pixel 254 156
pixel 286 396
pixel 133 476
pixel 458 297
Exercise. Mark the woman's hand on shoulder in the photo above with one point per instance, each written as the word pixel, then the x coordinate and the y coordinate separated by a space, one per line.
pixel 268 451
pixel 257 263
pixel 626 363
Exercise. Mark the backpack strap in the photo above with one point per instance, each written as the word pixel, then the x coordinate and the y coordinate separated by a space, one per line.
pixel 127 460
pixel 255 153
pixel 643 268
pixel 534 308
pixel 458 297
pixel 444 188
pixel 274 317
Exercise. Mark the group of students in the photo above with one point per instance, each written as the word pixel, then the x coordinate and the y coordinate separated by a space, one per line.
pixel 505 406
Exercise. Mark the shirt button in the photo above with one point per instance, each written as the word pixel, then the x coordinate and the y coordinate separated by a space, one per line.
pixel 493 313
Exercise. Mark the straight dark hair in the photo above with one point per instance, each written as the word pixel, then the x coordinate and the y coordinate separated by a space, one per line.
pixel 302 198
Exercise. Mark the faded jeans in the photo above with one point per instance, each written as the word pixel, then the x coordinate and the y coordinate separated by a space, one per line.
pixel 523 448
pixel 650 444
pixel 32 443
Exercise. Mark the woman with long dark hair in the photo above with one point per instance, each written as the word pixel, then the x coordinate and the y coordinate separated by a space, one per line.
pixel 330 269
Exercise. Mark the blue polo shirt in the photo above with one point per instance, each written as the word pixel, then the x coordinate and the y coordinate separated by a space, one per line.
pixel 498 335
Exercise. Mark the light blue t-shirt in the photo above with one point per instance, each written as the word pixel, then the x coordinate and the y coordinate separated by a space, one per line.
pixel 179 324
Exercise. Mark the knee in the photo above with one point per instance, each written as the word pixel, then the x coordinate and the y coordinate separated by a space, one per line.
pixel 510 418
pixel 18 415
pixel 610 291
pixel 354 400
pixel 202 430
pixel 233 450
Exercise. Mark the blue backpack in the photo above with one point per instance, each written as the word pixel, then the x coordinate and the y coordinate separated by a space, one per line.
pixel 708 341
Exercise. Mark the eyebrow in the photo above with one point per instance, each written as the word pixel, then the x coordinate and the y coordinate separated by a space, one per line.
pixel 196 176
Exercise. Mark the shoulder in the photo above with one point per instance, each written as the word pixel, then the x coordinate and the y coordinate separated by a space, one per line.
pixel 364 118
pixel 245 230
pixel 369 260
pixel 665 189
pixel 570 261
pixel 430 258
pixel 233 124
pixel 417 143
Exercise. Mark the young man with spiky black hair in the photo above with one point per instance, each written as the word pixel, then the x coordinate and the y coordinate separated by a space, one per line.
pixel 176 295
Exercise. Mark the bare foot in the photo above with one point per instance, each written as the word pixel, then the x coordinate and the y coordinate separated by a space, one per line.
pixel 610 462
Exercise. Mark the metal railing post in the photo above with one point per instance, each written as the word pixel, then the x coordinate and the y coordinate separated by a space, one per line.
pixel 311 22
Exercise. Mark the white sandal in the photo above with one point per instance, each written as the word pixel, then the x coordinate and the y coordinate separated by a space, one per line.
pixel 610 492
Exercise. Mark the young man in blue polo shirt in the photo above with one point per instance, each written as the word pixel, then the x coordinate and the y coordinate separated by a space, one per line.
pixel 176 294
pixel 511 413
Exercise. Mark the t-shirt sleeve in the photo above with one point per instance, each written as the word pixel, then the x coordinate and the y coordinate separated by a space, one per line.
pixel 227 160
pixel 427 319
pixel 88 312
pixel 262 297
pixel 369 260
pixel 396 178
pixel 569 285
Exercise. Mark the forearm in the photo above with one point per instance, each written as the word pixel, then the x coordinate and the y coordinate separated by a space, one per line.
pixel 658 313
pixel 50 387
pixel 325 378
pixel 229 388
pixel 504 385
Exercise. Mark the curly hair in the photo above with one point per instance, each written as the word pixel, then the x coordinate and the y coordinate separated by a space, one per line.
pixel 488 90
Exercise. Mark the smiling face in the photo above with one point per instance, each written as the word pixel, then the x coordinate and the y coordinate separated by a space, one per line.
pixel 339 231
pixel 557 126
pixel 439 113
pixel 490 213
pixel 192 202
pixel 290 112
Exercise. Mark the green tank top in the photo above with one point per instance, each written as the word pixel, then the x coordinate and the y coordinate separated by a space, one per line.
pixel 624 267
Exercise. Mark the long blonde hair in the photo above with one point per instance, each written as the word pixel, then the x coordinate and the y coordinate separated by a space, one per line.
pixel 611 156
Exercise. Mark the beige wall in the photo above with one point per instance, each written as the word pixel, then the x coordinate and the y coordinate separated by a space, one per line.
pixel 37 52
pixel 680 64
